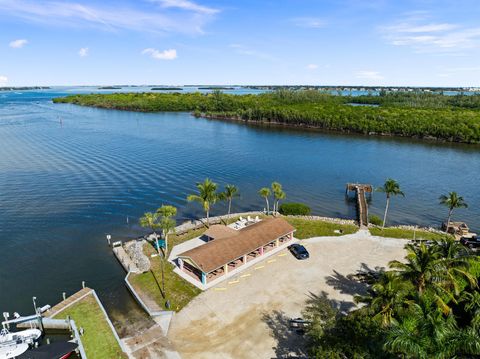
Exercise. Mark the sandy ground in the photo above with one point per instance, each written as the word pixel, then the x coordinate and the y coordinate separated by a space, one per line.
pixel 247 316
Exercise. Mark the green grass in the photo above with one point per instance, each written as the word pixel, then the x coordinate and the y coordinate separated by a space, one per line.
pixel 98 339
pixel 317 228
pixel 178 291
pixel 406 233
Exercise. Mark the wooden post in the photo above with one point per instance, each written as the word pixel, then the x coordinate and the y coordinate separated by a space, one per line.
pixel 64 295
pixel 109 237
pixel 83 284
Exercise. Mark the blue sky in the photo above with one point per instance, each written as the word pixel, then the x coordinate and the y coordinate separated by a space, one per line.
pixel 319 42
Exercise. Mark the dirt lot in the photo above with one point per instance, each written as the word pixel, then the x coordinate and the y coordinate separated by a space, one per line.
pixel 247 316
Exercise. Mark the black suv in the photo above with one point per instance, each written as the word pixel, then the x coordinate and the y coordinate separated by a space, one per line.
pixel 299 251
pixel 472 242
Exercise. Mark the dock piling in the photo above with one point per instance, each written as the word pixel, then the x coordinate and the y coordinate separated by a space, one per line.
pixel 64 295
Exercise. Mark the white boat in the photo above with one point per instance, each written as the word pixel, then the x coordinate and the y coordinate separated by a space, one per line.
pixel 28 336
pixel 13 350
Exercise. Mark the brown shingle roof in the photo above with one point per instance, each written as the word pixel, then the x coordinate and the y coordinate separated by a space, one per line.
pixel 218 231
pixel 215 254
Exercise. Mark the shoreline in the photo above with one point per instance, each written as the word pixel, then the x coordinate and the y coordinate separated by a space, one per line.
pixel 425 139
pixel 275 124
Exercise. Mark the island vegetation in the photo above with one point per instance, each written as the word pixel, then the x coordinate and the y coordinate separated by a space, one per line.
pixel 417 115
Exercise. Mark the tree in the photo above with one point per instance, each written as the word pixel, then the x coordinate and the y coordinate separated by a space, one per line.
pixel 452 201
pixel 390 188
pixel 278 194
pixel 230 192
pixel 265 193
pixel 151 220
pixel 207 196
pixel 167 223
pixel 386 297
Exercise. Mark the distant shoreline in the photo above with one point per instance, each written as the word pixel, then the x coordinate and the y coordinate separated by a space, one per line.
pixel 422 116
pixel 25 88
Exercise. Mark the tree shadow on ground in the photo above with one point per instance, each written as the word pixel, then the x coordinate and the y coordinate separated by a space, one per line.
pixel 289 344
pixel 340 305
pixel 346 284
pixel 357 283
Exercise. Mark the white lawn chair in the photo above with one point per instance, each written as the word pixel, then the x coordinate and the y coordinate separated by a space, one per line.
pixel 249 219
pixel 241 219
pixel 257 219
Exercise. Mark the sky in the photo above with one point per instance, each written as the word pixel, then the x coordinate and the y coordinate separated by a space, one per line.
pixel 243 42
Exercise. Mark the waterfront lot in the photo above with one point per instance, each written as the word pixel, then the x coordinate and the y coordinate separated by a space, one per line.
pixel 98 339
pixel 248 315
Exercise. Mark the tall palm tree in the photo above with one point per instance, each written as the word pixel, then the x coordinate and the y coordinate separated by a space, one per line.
pixel 278 194
pixel 265 193
pixel 230 192
pixel 390 188
pixel 452 201
pixel 207 196
pixel 151 220
pixel 167 223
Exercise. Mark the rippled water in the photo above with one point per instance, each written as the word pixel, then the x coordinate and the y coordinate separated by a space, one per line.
pixel 70 175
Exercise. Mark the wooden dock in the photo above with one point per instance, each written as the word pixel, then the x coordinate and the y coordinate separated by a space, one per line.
pixel 360 190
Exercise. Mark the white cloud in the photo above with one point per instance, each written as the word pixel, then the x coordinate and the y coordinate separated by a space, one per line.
pixel 169 54
pixel 17 44
pixel 369 75
pixel 154 17
pixel 431 37
pixel 312 66
pixel 186 5
pixel 309 22
pixel 3 80
pixel 83 52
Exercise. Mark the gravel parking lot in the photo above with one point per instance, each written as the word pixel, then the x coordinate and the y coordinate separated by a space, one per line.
pixel 247 316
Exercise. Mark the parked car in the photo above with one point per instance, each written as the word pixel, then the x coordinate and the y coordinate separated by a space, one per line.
pixel 299 251
pixel 472 242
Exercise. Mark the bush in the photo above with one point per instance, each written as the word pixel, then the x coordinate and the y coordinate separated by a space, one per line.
pixel 376 220
pixel 294 209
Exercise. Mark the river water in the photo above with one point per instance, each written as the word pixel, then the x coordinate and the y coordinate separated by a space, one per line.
pixel 70 175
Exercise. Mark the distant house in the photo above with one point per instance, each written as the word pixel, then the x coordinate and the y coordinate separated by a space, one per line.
pixel 229 249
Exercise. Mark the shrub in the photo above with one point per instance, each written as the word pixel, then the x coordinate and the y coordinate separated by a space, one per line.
pixel 376 220
pixel 294 209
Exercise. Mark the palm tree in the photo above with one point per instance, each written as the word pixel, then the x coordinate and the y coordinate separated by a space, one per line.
pixel 390 188
pixel 421 267
pixel 150 220
pixel 278 194
pixel 452 201
pixel 265 193
pixel 167 223
pixel 207 196
pixel 230 192
pixel 439 269
pixel 386 297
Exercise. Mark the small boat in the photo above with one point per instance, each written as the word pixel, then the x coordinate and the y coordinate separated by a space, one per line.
pixel 13 350
pixel 56 350
pixel 29 336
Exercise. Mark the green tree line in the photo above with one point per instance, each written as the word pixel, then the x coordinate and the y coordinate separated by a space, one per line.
pixel 418 115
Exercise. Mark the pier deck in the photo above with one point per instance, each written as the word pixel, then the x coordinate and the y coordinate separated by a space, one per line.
pixel 360 190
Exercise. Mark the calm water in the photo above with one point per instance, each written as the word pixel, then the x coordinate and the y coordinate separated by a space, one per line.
pixel 70 175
